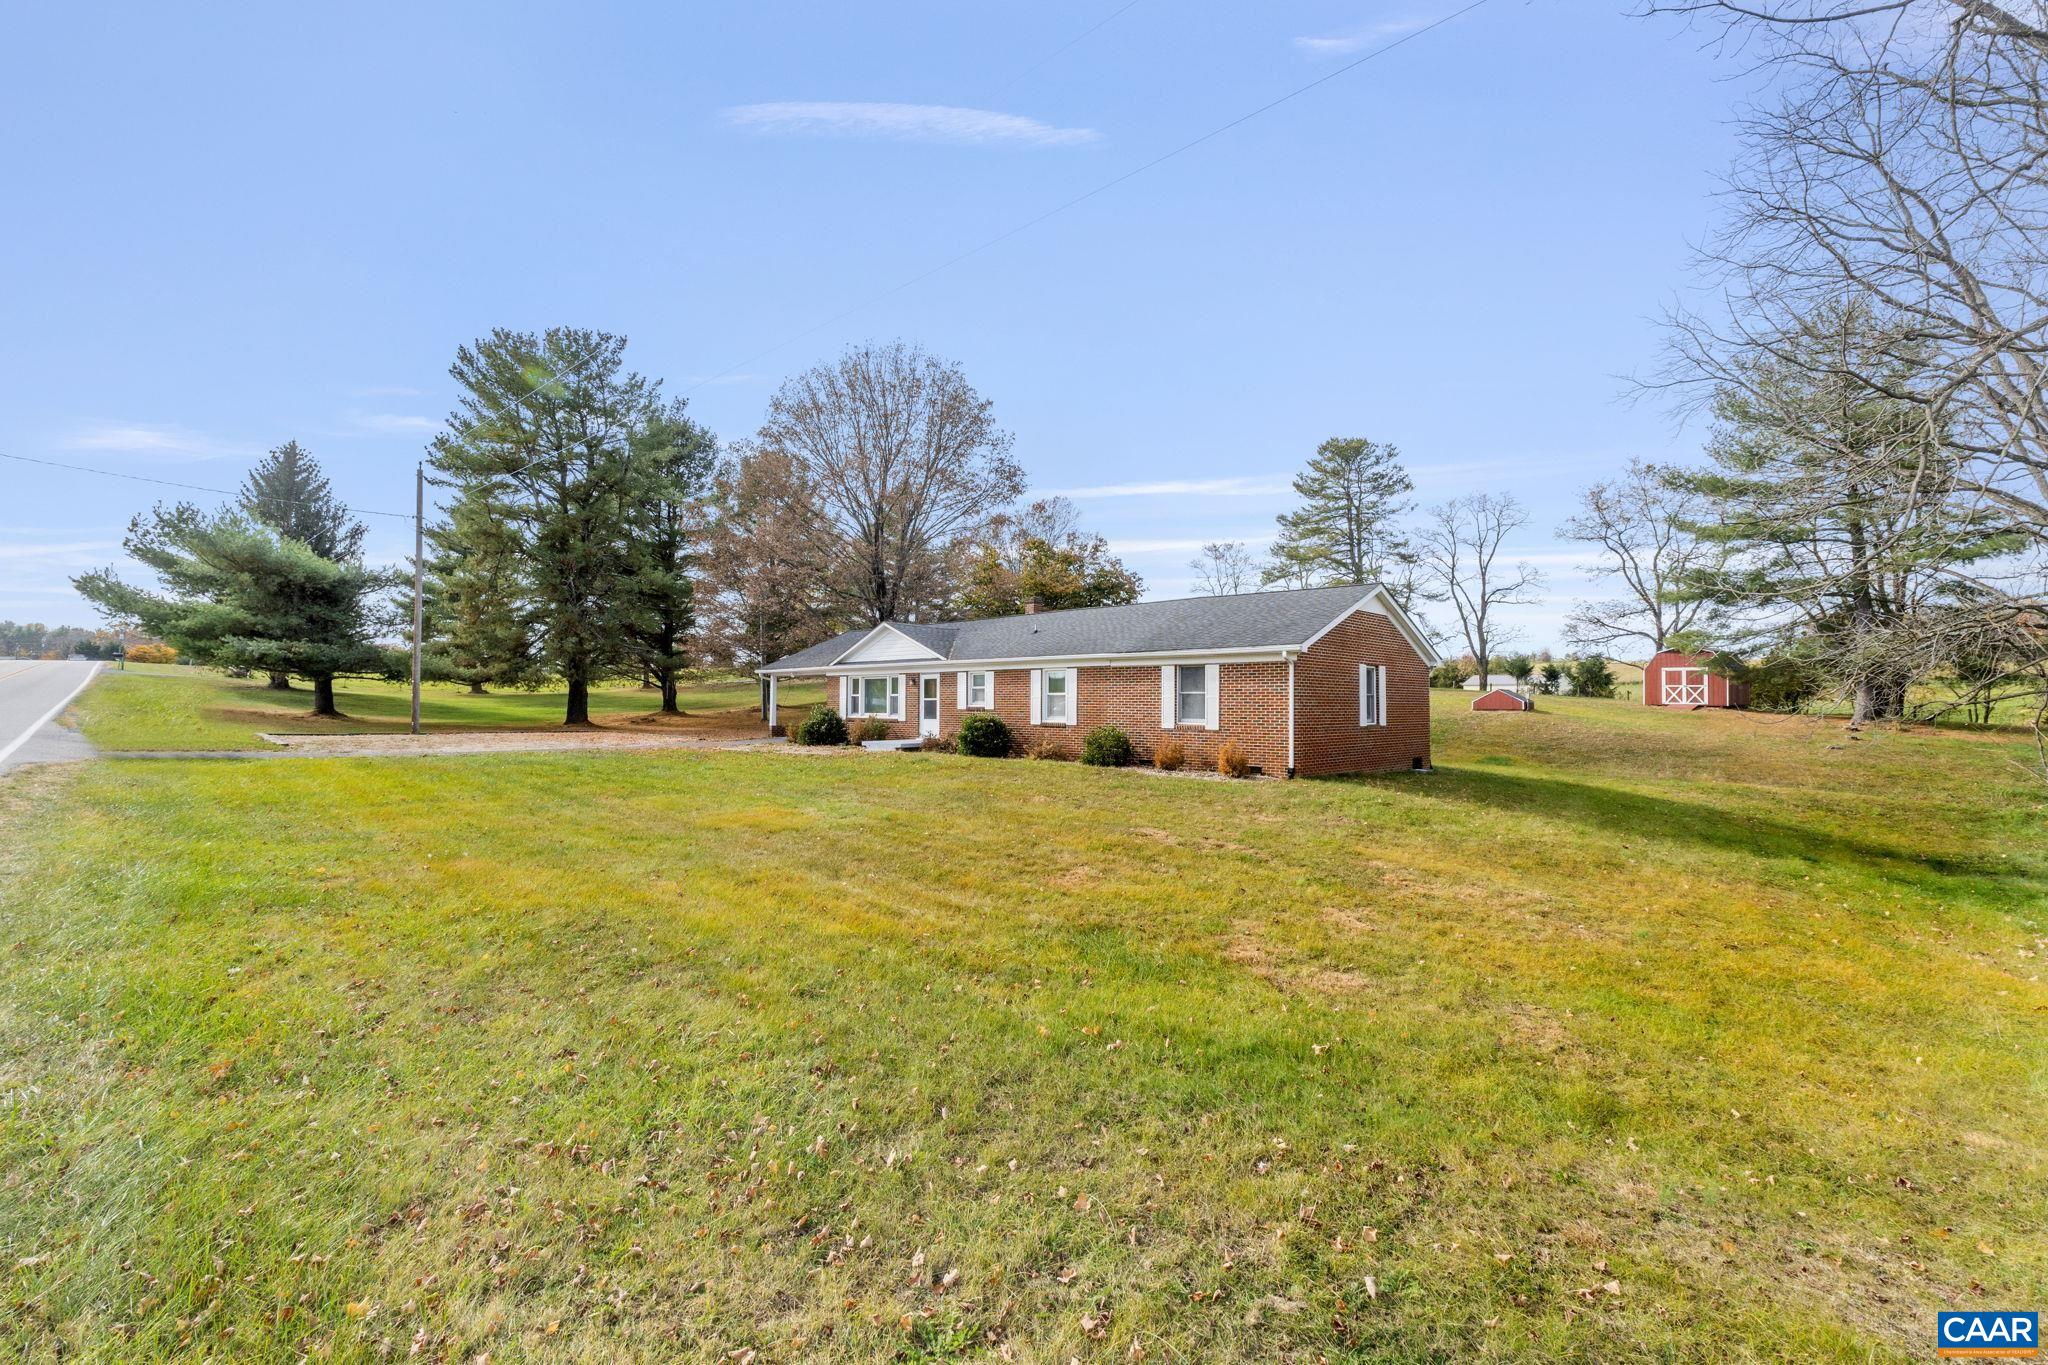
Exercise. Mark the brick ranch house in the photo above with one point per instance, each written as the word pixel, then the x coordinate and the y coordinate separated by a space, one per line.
pixel 1310 682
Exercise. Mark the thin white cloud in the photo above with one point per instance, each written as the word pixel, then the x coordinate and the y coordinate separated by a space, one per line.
pixel 1241 487
pixel 394 423
pixel 64 553
pixel 140 438
pixel 1183 545
pixel 1344 44
pixel 903 123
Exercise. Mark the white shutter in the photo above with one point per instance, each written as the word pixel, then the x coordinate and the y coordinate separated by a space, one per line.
pixel 1383 693
pixel 1037 693
pixel 1073 695
pixel 1169 703
pixel 1212 707
pixel 961 679
pixel 846 696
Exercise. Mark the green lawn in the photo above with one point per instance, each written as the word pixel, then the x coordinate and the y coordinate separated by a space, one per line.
pixel 164 706
pixel 1627 1034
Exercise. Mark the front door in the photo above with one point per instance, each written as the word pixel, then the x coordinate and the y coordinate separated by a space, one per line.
pixel 928 704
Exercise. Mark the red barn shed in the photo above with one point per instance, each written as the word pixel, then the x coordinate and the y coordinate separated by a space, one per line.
pixel 1683 682
pixel 1500 699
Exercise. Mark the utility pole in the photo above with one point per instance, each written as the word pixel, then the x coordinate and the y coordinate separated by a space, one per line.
pixel 419 580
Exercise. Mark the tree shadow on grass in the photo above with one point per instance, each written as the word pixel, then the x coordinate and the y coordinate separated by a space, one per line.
pixel 1635 815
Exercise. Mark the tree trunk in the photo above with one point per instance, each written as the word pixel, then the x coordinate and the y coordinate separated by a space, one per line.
pixel 668 693
pixel 579 703
pixel 280 682
pixel 323 695
pixel 476 689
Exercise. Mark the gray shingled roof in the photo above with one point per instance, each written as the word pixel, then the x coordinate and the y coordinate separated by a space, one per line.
pixel 1252 620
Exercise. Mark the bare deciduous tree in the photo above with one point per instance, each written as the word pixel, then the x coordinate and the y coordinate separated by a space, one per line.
pixel 886 464
pixel 1224 567
pixel 1459 546
pixel 1640 525
pixel 1897 165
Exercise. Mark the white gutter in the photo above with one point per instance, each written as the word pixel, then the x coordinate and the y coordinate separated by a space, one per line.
pixel 1256 654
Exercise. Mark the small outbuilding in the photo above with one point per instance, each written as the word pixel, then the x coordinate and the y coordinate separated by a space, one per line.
pixel 1503 699
pixel 1682 682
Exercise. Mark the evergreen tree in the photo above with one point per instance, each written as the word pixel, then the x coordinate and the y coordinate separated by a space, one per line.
pixel 541 451
pixel 1836 501
pixel 287 492
pixel 239 595
pixel 1352 495
pixel 679 459
pixel 478 626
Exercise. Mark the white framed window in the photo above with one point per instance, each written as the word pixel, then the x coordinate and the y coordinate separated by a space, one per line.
pixel 1053 698
pixel 1372 694
pixel 875 695
pixel 980 687
pixel 1191 695
pixel 1058 706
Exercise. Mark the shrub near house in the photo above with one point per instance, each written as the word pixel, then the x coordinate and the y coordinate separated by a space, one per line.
pixel 1309 682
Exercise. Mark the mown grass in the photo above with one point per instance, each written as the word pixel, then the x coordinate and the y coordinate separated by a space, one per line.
pixel 1626 1035
pixel 157 707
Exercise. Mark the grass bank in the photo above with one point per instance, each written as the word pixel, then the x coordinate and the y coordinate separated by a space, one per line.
pixel 169 707
pixel 1627 1034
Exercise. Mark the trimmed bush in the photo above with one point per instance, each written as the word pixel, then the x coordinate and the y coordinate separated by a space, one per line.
pixel 822 726
pixel 984 736
pixel 874 727
pixel 1233 761
pixel 152 654
pixel 1106 747
pixel 1169 755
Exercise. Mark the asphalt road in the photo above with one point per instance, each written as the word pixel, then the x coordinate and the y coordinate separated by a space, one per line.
pixel 33 693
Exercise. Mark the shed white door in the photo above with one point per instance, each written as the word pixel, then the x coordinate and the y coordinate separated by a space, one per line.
pixel 928 704
pixel 1685 687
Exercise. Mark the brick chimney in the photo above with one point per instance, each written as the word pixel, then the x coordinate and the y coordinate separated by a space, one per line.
pixel 1033 606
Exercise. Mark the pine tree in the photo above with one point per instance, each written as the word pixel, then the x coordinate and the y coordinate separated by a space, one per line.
pixel 1836 502
pixel 541 451
pixel 1352 494
pixel 237 594
pixel 678 460
pixel 287 492
pixel 479 629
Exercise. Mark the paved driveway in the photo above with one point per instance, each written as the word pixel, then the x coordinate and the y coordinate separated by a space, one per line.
pixel 33 693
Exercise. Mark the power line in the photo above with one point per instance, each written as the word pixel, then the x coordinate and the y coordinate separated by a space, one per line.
pixel 172 483
pixel 1129 4
pixel 1086 195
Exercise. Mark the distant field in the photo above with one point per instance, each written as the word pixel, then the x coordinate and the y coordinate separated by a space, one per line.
pixel 165 706
pixel 1625 1035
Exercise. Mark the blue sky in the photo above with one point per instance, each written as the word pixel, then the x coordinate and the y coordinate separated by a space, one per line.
pixel 233 225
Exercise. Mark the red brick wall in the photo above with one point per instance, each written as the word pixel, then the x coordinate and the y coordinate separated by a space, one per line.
pixel 1327 735
pixel 1253 711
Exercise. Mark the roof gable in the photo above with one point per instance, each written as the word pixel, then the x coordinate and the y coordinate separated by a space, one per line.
pixel 889 643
